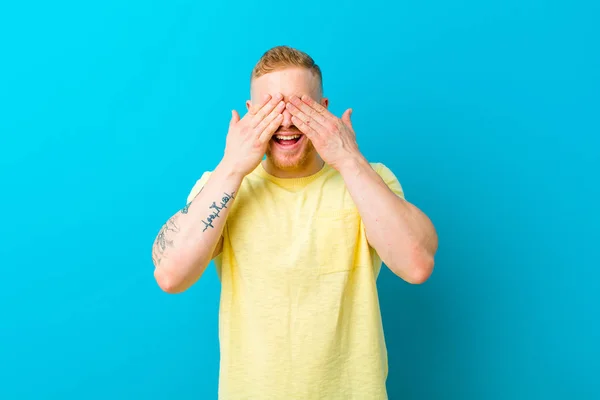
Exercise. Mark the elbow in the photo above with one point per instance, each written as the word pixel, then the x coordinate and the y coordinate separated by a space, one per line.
pixel 420 273
pixel 417 269
pixel 422 262
pixel 177 274
pixel 167 282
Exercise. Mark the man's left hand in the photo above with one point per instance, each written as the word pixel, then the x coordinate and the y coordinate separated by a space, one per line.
pixel 333 137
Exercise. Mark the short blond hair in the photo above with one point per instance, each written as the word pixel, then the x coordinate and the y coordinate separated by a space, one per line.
pixel 281 57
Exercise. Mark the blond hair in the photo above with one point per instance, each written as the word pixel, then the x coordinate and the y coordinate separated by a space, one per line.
pixel 281 57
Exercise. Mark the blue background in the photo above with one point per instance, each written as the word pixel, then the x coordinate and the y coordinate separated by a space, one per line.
pixel 486 110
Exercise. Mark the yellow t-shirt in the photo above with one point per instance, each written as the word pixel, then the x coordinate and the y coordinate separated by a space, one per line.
pixel 299 313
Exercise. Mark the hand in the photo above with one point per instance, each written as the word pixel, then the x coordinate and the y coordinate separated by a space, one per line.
pixel 248 138
pixel 333 138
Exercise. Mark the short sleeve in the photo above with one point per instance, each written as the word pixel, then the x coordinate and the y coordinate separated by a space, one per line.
pixel 389 178
pixel 197 188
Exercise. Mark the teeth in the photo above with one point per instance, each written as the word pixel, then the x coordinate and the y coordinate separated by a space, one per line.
pixel 292 137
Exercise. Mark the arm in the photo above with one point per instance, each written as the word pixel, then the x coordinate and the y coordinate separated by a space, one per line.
pixel 402 235
pixel 192 237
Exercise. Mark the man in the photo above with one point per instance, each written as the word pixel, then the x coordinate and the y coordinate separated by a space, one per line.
pixel 298 240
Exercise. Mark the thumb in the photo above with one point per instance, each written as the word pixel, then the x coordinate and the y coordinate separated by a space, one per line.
pixel 346 117
pixel 235 117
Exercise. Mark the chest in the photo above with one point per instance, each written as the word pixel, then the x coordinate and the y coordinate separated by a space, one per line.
pixel 313 231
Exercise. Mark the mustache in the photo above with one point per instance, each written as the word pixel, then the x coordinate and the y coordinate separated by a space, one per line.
pixel 290 129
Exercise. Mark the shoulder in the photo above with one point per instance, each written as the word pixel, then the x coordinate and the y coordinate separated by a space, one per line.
pixel 198 185
pixel 389 177
pixel 380 168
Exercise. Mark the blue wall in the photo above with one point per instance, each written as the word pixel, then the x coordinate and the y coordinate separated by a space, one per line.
pixel 486 110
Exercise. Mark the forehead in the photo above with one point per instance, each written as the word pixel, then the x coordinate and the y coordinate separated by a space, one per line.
pixel 291 81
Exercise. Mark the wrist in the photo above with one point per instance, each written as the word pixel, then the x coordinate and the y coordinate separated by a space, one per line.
pixel 228 172
pixel 353 165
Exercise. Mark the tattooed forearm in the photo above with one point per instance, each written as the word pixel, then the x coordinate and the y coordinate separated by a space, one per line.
pixel 165 239
pixel 168 234
pixel 216 210
pixel 185 209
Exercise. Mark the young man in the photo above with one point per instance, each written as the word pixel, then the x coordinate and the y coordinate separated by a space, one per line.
pixel 298 240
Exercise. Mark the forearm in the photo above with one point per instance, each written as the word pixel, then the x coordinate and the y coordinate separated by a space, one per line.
pixel 402 235
pixel 185 244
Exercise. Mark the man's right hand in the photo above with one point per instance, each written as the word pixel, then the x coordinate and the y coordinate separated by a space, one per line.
pixel 249 137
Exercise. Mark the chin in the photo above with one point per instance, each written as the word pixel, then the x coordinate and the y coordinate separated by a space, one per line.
pixel 289 161
pixel 286 162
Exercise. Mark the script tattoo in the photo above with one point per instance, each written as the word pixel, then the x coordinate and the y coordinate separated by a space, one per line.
pixel 165 237
pixel 216 210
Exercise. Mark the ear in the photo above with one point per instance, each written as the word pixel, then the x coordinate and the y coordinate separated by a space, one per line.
pixel 325 102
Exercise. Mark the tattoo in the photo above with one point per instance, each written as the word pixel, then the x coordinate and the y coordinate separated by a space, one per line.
pixel 216 210
pixel 164 239
pixel 185 209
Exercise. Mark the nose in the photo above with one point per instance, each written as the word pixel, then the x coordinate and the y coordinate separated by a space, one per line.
pixel 287 119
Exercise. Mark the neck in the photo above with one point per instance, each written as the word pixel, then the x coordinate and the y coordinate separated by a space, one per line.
pixel 308 168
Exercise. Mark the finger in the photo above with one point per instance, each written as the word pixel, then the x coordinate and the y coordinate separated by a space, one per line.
pixel 305 128
pixel 235 117
pixel 346 118
pixel 266 134
pixel 297 104
pixel 318 107
pixel 269 118
pixel 307 119
pixel 256 107
pixel 266 109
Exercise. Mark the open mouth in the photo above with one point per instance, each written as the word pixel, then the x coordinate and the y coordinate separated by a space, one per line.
pixel 287 140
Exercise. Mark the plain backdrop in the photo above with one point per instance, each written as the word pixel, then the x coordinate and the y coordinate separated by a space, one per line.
pixel 487 111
